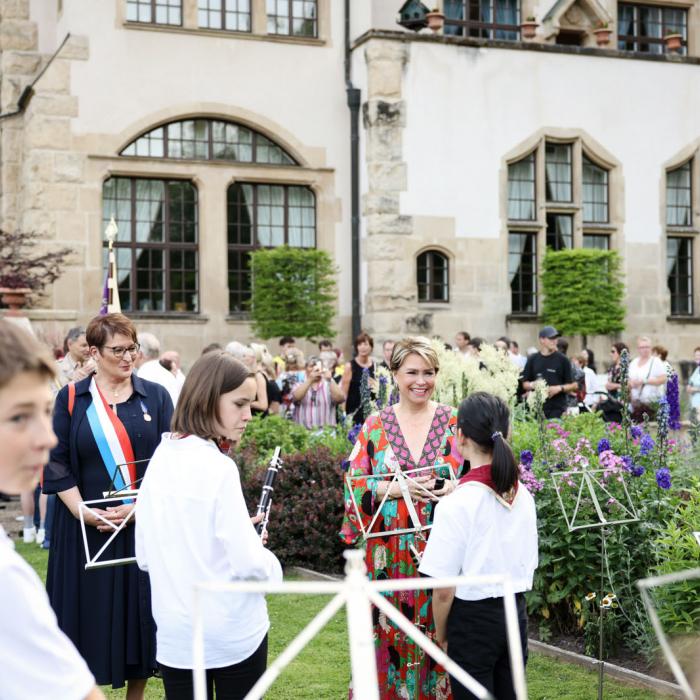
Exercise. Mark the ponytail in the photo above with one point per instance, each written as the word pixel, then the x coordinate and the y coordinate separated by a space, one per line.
pixel 484 418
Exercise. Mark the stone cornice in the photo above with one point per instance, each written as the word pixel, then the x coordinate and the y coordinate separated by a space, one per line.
pixel 408 37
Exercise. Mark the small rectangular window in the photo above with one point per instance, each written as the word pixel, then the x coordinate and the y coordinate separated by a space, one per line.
pixel 292 17
pixel 522 272
pixel 558 175
pixel 485 19
pixel 679 270
pixel 154 11
pixel 521 189
pixel 560 231
pixel 432 276
pixel 596 241
pixel 679 196
pixel 231 15
pixel 643 27
pixel 595 192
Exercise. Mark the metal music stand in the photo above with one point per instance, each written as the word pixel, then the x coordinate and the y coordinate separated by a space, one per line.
pixel 124 495
pixel 590 486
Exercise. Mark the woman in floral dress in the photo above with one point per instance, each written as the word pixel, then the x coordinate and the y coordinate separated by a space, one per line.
pixel 416 432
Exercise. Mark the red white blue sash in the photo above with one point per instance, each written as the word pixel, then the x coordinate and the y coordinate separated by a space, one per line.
pixel 112 440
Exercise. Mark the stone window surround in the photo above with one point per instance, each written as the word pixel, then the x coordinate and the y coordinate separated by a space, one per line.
pixel 582 143
pixel 258 21
pixel 689 153
pixel 449 257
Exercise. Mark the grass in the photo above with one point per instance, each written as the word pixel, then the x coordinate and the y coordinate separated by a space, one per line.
pixel 322 670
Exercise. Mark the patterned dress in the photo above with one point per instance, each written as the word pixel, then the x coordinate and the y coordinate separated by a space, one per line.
pixel 403 670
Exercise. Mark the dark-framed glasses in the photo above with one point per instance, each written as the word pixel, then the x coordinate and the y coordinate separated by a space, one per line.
pixel 119 350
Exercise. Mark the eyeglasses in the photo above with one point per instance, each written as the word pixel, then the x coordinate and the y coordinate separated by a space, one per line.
pixel 118 350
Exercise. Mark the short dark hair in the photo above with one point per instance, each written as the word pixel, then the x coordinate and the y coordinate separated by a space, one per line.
pixel 363 337
pixel 210 347
pixel 102 327
pixel 286 339
pixel 213 374
pixel 505 339
pixel 73 334
pixel 22 352
pixel 514 344
pixel 562 345
pixel 476 342
pixel 464 335
pixel 325 343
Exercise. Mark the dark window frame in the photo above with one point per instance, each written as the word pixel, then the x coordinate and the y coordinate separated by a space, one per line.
pixel 166 247
pixel 570 163
pixel 522 308
pixel 154 4
pixel 682 303
pixel 241 295
pixel 290 17
pixel 476 28
pixel 425 261
pixel 533 157
pixel 223 11
pixel 606 219
pixel 689 208
pixel 644 44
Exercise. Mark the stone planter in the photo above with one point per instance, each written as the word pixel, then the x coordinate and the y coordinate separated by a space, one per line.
pixel 14 299
pixel 673 42
pixel 436 21
pixel 602 36
pixel 529 29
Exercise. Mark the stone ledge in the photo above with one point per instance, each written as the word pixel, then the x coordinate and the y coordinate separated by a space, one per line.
pixel 169 319
pixel 690 320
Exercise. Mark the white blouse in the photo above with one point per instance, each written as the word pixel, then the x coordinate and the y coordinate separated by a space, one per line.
pixel 37 660
pixel 473 534
pixel 192 526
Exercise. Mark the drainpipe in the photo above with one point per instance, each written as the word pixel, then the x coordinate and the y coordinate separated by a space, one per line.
pixel 354 99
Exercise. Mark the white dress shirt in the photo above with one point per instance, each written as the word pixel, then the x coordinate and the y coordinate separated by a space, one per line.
pixel 473 534
pixel 37 660
pixel 153 371
pixel 192 526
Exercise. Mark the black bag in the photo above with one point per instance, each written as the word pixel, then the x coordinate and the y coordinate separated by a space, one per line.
pixel 611 410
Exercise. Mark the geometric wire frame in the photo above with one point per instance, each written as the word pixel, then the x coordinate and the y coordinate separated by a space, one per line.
pixel 112 495
pixel 358 594
pixel 588 479
pixel 645 585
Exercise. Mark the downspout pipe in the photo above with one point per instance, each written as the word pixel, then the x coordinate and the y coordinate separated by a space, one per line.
pixel 354 100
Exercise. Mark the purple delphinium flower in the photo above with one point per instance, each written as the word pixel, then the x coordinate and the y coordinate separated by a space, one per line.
pixel 345 465
pixel 353 433
pixel 638 470
pixel 674 403
pixel 603 445
pixel 637 432
pixel 663 478
pixel 646 444
pixel 526 458
pixel 627 463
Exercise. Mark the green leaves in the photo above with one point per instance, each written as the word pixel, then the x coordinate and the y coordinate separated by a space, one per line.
pixel 583 291
pixel 294 293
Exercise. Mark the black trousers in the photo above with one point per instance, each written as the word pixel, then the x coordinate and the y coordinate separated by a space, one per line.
pixel 231 682
pixel 477 641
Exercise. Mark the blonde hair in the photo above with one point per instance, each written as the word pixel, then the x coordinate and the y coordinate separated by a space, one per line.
pixel 22 352
pixel 414 346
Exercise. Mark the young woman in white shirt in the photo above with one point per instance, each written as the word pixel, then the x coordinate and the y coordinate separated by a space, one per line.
pixel 192 525
pixel 37 659
pixel 487 526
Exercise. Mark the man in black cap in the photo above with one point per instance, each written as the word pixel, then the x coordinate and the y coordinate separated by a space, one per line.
pixel 554 368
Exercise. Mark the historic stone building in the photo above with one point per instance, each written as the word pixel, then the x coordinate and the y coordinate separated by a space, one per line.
pixel 208 128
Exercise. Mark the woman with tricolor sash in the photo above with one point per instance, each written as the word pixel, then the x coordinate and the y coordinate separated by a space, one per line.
pixel 108 426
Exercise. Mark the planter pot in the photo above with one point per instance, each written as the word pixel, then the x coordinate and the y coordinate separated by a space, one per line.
pixel 673 42
pixel 436 21
pixel 529 29
pixel 602 36
pixel 15 299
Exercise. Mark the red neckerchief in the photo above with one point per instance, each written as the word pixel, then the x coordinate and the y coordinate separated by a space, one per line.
pixel 482 475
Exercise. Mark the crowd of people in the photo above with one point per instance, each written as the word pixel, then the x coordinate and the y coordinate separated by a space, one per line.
pixel 124 415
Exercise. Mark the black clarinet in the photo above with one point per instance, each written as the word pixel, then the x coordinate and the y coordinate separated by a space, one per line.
pixel 267 489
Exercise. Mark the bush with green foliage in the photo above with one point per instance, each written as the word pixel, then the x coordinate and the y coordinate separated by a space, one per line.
pixel 583 291
pixel 294 293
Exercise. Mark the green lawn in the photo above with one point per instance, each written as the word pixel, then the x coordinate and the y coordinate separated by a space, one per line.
pixel 322 670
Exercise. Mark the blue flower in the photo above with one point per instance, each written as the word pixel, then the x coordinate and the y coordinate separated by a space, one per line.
pixel 628 463
pixel 674 404
pixel 646 444
pixel 663 478
pixel 345 465
pixel 638 470
pixel 353 433
pixel 603 445
pixel 526 458
pixel 637 432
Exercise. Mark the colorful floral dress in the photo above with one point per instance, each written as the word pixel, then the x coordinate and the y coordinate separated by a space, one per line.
pixel 404 671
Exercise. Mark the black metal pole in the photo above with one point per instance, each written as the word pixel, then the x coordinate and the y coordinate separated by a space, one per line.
pixel 354 99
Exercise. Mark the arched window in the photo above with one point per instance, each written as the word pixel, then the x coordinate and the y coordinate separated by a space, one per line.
pixel 208 139
pixel 156 247
pixel 433 276
pixel 264 216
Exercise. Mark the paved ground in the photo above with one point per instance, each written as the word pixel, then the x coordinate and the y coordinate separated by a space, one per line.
pixel 7 517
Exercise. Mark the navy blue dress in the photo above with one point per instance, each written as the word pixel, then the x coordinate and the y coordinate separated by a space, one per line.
pixel 105 612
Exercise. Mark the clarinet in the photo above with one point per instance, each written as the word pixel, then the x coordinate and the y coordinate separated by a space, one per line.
pixel 267 489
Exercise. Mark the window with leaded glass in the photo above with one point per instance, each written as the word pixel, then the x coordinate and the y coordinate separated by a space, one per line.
pixel 596 241
pixel 292 17
pixel 154 11
pixel 560 231
pixel 679 270
pixel 522 272
pixel 521 189
pixel 433 276
pixel 264 216
pixel 208 139
pixel 486 19
pixel 679 195
pixel 156 247
pixel 595 192
pixel 558 174
pixel 643 27
pixel 232 15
